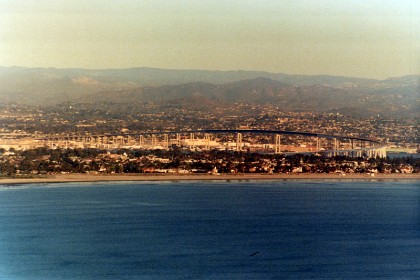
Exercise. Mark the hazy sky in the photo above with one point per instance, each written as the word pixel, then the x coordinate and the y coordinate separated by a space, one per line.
pixel 366 38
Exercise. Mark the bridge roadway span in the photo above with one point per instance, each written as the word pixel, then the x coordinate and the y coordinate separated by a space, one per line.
pixel 258 131
pixel 371 152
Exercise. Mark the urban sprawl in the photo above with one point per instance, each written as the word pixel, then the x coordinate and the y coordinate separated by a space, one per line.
pixel 125 138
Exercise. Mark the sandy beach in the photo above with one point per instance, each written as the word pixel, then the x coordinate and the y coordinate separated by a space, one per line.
pixel 63 178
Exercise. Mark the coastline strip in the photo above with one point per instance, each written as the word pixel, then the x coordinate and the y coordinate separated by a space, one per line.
pixel 64 178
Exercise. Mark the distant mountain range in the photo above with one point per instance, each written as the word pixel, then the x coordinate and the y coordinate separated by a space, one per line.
pixel 398 96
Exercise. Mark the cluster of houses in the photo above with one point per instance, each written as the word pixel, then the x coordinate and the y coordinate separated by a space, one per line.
pixel 129 161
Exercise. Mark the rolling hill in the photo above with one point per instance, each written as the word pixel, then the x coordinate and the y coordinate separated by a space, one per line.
pixel 398 96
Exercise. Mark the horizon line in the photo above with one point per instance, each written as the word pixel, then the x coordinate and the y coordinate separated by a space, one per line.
pixel 205 70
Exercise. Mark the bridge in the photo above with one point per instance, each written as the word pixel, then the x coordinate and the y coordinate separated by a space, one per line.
pixel 326 144
pixel 256 131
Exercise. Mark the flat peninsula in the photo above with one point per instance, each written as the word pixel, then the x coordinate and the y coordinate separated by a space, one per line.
pixel 64 178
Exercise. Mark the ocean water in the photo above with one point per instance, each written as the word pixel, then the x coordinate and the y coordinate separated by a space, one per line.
pixel 211 230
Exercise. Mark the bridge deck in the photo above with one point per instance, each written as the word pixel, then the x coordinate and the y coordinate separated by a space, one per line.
pixel 257 131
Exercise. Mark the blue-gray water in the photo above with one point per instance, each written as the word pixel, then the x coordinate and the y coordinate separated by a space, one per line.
pixel 403 155
pixel 211 230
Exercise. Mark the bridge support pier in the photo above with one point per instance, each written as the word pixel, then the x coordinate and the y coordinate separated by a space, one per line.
pixel 207 136
pixel 335 146
pixel 239 142
pixel 166 141
pixel 153 141
pixel 192 141
pixel 318 144
pixel 382 152
pixel 277 145
pixel 105 141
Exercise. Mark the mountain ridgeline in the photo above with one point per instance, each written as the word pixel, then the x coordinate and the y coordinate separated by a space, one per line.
pixel 201 89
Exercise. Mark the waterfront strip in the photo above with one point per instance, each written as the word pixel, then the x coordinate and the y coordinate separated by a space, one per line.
pixel 63 178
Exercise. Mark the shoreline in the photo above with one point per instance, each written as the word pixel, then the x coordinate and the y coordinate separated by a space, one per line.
pixel 68 178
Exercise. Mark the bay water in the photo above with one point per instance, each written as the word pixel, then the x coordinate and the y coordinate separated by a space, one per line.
pixel 211 230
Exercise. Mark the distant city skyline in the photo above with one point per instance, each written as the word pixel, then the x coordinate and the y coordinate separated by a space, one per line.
pixel 370 39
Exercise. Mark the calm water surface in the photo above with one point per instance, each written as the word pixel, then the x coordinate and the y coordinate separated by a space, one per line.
pixel 211 230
